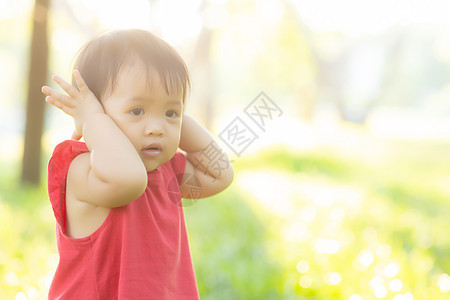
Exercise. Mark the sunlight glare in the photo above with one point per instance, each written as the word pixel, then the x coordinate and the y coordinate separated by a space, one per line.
pixel 121 14
pixel 270 10
pixel 275 192
pixel 65 41
pixel 14 9
pixel 182 22
pixel 372 17
pixel 215 17
pixel 325 195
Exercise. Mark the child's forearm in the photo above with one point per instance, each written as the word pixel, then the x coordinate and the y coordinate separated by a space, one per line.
pixel 113 156
pixel 198 143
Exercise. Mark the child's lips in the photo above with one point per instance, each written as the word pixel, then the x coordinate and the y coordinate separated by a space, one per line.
pixel 152 150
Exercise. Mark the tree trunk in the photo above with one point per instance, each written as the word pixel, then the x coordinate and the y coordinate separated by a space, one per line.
pixel 35 102
pixel 204 64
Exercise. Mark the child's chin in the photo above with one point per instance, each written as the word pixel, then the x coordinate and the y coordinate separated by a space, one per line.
pixel 153 165
pixel 151 168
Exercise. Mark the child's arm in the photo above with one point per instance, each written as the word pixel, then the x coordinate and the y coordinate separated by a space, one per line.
pixel 207 165
pixel 112 173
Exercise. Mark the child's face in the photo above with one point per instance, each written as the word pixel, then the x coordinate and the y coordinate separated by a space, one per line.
pixel 146 114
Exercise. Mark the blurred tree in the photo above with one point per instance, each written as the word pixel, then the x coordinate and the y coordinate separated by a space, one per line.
pixel 203 69
pixel 35 106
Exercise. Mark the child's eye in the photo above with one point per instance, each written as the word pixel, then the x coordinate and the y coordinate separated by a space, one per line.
pixel 171 114
pixel 137 111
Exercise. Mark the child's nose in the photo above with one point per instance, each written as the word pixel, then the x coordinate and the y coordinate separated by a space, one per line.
pixel 154 127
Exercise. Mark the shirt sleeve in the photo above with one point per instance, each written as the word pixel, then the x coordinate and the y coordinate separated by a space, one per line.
pixel 58 167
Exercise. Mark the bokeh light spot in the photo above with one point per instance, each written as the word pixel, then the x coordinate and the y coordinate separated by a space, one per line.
pixel 365 257
pixel 305 281
pixel 384 250
pixel 302 266
pixel 376 281
pixel 395 285
pixel 380 291
pixel 308 213
pixel 327 246
pixel 408 296
pixel 12 279
pixel 32 293
pixel 333 278
pixel 21 296
pixel 444 283
pixel 391 270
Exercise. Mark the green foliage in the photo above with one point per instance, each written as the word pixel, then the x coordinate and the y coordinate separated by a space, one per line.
pixel 228 249
pixel 27 243
pixel 294 225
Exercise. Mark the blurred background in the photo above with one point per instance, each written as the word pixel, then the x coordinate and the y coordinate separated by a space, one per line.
pixel 334 113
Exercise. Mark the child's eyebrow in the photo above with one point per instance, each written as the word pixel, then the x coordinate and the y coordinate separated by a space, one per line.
pixel 170 102
pixel 174 102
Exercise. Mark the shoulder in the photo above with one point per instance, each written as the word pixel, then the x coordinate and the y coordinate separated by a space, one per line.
pixel 68 150
pixel 58 167
pixel 63 155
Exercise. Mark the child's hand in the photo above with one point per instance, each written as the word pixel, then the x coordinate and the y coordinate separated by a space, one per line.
pixel 79 104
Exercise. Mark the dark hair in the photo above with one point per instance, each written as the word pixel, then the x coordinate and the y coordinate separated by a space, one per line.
pixel 100 60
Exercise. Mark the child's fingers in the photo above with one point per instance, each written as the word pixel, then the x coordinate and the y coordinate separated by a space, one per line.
pixel 58 97
pixel 53 101
pixel 84 89
pixel 67 87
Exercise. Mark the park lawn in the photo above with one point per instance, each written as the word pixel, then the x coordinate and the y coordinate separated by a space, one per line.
pixel 364 228
pixel 311 224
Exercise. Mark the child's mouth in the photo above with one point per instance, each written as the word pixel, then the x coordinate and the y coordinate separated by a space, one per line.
pixel 152 150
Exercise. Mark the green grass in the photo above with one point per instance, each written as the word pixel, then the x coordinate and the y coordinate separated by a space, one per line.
pixel 27 237
pixel 245 245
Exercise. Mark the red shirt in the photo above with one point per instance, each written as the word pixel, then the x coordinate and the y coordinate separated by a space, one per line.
pixel 141 250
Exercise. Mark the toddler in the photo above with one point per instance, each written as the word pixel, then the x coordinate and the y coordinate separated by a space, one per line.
pixel 116 196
